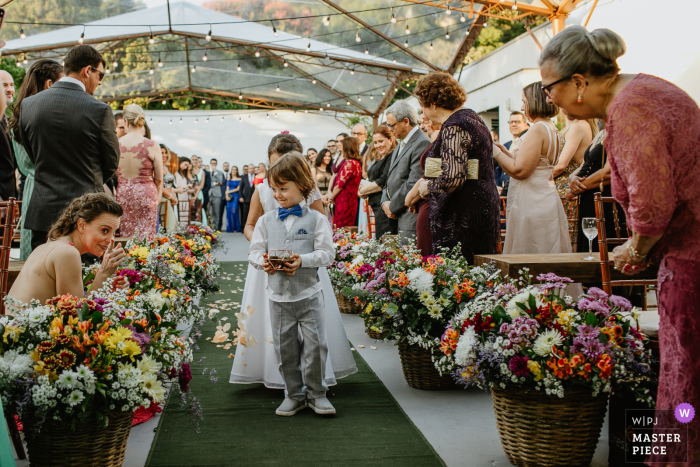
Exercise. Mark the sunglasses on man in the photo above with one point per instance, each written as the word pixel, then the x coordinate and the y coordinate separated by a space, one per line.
pixel 102 75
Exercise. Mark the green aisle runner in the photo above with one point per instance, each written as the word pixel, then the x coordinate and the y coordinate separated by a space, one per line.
pixel 240 427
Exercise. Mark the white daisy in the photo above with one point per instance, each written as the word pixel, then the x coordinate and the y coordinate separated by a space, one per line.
pixel 68 380
pixel 544 342
pixel 153 387
pixel 435 312
pixel 465 346
pixel 75 397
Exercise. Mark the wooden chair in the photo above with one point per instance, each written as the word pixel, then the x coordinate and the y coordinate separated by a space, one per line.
pixel 606 263
pixel 11 218
pixel 504 226
pixel 163 213
pixel 195 210
pixel 183 210
pixel 370 220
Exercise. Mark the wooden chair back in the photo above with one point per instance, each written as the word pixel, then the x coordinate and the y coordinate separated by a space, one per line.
pixel 572 219
pixel 163 213
pixel 370 220
pixel 606 263
pixel 183 210
pixel 11 217
pixel 504 226
pixel 196 210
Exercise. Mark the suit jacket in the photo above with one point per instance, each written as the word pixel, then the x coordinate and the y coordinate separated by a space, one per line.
pixel 364 150
pixel 218 182
pixel 71 138
pixel 7 162
pixel 207 185
pixel 404 172
pixel 246 191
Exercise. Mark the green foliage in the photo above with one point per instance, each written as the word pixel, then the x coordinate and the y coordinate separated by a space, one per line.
pixel 498 33
pixel 61 12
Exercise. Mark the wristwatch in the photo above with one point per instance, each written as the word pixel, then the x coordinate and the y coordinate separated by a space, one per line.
pixel 634 255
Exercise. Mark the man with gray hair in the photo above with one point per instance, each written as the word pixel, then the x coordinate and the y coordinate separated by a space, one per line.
pixel 404 170
pixel 8 167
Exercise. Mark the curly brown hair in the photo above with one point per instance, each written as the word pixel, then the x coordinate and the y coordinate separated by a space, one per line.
pixel 88 207
pixel 440 89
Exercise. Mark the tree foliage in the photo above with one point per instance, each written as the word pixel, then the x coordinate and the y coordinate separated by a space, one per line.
pixel 60 12
pixel 499 32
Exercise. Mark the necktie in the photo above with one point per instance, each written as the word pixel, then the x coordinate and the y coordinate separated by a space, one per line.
pixel 284 213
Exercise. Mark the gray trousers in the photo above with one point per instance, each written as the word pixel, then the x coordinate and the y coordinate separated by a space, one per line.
pixel 301 364
pixel 213 212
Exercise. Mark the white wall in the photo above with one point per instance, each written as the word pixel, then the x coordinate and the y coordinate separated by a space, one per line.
pixel 658 43
pixel 238 143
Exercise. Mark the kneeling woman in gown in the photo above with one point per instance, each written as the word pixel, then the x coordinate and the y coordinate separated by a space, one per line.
pixel 87 225
pixel 255 360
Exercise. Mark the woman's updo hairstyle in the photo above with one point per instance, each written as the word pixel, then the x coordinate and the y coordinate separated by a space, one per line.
pixel 88 208
pixel 133 113
pixel 284 143
pixel 440 89
pixel 575 50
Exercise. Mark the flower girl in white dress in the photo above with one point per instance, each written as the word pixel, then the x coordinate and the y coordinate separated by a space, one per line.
pixel 255 360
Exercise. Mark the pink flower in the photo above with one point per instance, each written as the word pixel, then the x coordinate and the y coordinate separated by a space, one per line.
pixel 518 365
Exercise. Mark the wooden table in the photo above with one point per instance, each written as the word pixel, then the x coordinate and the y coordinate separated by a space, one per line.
pixel 569 265
pixel 15 267
pixel 122 240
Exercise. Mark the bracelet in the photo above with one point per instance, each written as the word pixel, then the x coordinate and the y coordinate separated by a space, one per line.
pixel 634 254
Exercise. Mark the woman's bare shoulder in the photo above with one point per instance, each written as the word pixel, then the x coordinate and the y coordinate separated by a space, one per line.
pixel 63 254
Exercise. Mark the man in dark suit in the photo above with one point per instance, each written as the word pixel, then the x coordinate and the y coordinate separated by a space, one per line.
pixel 405 169
pixel 8 166
pixel 247 190
pixel 359 132
pixel 70 137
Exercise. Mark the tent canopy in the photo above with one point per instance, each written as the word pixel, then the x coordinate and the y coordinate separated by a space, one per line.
pixel 302 57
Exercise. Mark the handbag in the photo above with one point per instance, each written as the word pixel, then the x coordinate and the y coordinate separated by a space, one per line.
pixel 229 197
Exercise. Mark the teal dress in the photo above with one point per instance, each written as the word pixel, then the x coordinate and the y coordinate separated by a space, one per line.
pixel 26 166
pixel 6 457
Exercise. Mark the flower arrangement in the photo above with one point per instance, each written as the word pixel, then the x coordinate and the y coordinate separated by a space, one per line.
pixel 533 338
pixel 71 359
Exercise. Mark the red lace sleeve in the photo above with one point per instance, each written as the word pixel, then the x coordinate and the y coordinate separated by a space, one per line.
pixel 643 168
pixel 346 172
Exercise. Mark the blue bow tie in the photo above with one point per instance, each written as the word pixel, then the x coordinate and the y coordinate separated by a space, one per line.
pixel 284 213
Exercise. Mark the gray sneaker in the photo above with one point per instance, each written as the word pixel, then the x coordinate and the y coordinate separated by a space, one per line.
pixel 322 406
pixel 289 407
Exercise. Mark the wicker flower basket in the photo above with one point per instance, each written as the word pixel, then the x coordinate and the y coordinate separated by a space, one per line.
pixel 347 305
pixel 57 446
pixel 538 430
pixel 419 369
pixel 375 334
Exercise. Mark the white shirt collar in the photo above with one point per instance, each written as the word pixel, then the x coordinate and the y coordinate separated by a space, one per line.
pixel 68 79
pixel 410 133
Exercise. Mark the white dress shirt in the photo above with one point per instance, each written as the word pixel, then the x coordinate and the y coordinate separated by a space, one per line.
pixel 408 138
pixel 68 79
pixel 323 254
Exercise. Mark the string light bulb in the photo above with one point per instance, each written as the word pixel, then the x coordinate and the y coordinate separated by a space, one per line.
pixel 222 118
pixel 328 104
pixel 274 30
pixel 313 81
pixel 151 120
pixel 306 111
pixel 408 31
pixel 180 119
pixel 194 69
pixel 82 37
pixel 327 21
pixel 171 121
pixel 151 39
pixel 240 119
pixel 405 44
pixel 160 62
pixel 348 102
pixel 285 62
pixel 25 61
pixel 431 46
pixel 359 98
pixel 352 71
pixel 447 34
pixel 383 93
pixel 515 4
pixel 208 36
pixel 462 18
pixel 164 101
pixel 308 47
pixel 18 63
pixel 150 70
pixel 320 109
pixel 357 36
pixel 371 96
pixel 394 59
pixel 275 114
pixel 267 115
pixel 207 121
pixel 22 35
pixel 448 11
pixel 107 70
pixel 204 101
pixel 115 64
pixel 238 67
pixel 366 50
pixel 205 57
pixel 196 120
pixel 393 18
pixel 257 53
pixel 240 96
pixel 278 88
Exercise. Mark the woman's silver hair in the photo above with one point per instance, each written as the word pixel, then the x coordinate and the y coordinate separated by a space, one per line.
pixel 575 50
pixel 402 109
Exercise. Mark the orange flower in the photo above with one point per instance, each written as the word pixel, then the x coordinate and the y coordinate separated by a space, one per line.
pixel 576 360
pixel 605 366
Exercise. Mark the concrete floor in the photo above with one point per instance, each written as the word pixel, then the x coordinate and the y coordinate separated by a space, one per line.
pixel 459 424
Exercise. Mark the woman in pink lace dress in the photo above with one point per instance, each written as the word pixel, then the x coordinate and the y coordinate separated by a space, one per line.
pixel 653 141
pixel 140 177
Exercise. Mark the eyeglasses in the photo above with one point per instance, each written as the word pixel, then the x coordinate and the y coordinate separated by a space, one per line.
pixel 546 88
pixel 102 75
pixel 514 122
pixel 357 133
pixel 391 127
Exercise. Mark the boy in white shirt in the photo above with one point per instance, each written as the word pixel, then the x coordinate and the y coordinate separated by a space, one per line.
pixel 296 298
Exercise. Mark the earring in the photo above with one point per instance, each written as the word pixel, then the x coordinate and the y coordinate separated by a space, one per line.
pixel 580 99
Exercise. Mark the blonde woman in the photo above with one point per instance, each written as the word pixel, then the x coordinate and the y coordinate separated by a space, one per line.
pixel 140 175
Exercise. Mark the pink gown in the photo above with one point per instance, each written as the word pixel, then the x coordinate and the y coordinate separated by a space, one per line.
pixel 138 196
pixel 654 146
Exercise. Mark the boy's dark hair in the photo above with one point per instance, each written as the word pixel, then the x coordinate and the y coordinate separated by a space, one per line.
pixel 213 159
pixel 292 167
pixel 81 56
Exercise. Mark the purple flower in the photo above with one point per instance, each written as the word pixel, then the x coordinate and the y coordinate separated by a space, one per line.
pixel 142 339
pixel 587 330
pixel 518 365
pixel 551 277
pixel 622 303
pixel 133 276
pixel 505 289
pixel 593 349
pixel 185 377
pixel 382 291
pixel 595 292
pixel 594 306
